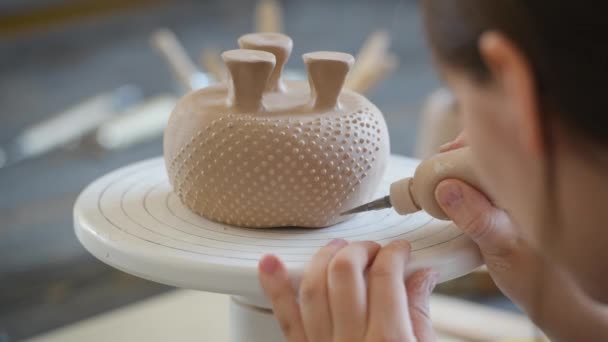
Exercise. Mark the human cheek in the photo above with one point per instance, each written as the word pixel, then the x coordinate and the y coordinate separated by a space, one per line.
pixel 486 139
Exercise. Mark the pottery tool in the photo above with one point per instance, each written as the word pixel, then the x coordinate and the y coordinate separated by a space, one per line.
pixel 416 193
pixel 268 16
pixel 131 219
pixel 176 56
pixel 69 125
pixel 138 123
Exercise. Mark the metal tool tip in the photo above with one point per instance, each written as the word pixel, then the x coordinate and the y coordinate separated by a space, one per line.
pixel 349 212
pixel 381 203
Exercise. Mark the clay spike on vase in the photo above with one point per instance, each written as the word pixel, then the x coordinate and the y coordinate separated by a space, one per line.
pixel 249 73
pixel 279 45
pixel 260 151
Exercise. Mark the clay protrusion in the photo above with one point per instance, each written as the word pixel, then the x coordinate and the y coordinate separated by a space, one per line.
pixel 279 45
pixel 326 74
pixel 249 72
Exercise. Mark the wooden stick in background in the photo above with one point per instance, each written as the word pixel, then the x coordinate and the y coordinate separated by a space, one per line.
pixel 374 74
pixel 268 16
pixel 212 63
pixel 172 50
pixel 479 323
pixel 373 62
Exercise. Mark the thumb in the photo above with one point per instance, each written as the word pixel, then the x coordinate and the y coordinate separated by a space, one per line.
pixel 490 227
pixel 419 287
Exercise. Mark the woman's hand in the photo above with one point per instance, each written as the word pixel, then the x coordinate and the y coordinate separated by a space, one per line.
pixel 510 260
pixel 536 285
pixel 352 292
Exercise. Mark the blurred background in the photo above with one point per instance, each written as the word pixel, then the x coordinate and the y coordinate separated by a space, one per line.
pixel 86 85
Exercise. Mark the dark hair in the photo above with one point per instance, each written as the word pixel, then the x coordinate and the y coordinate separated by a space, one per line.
pixel 566 43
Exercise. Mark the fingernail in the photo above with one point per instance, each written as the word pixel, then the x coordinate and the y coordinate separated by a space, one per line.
pixel 337 243
pixel 449 195
pixel 269 264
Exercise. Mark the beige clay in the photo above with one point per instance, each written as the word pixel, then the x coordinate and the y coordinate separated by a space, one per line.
pixel 418 192
pixel 260 151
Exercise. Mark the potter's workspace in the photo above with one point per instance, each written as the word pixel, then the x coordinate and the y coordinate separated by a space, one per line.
pixel 152 153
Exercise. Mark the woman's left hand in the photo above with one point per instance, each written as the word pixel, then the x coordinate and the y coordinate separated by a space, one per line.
pixel 352 292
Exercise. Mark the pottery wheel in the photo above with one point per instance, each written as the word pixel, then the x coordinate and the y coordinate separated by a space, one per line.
pixel 130 219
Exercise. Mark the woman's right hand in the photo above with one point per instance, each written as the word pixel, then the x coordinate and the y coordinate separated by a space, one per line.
pixel 491 228
pixel 537 286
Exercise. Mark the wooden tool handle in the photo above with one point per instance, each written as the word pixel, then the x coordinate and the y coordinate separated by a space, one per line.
pixel 416 193
pixel 326 74
pixel 169 46
pixel 249 71
pixel 279 45
pixel 373 62
pixel 269 16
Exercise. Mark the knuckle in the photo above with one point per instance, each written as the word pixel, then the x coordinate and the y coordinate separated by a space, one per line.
pixel 373 249
pixel 398 246
pixel 479 225
pixel 286 326
pixel 421 310
pixel 309 291
pixel 416 285
pixel 343 267
pixel 373 245
pixel 380 271
pixel 277 296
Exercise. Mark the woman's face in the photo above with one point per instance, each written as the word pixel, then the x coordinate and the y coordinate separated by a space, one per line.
pixel 509 174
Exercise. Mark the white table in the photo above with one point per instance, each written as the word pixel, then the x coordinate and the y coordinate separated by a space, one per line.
pixel 186 315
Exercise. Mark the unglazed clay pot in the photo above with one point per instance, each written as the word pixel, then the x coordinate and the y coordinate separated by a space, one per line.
pixel 259 151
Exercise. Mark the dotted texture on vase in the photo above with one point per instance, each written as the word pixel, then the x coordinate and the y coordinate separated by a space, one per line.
pixel 264 172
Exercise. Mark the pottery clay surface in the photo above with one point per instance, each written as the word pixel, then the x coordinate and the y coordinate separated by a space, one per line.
pixel 260 151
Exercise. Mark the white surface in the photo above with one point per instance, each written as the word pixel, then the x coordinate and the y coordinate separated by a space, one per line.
pixel 131 220
pixel 246 320
pixel 201 316
pixel 182 316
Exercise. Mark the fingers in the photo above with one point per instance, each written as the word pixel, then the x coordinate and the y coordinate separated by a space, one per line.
pixel 459 142
pixel 278 288
pixel 388 308
pixel 419 287
pixel 490 227
pixel 314 308
pixel 348 290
